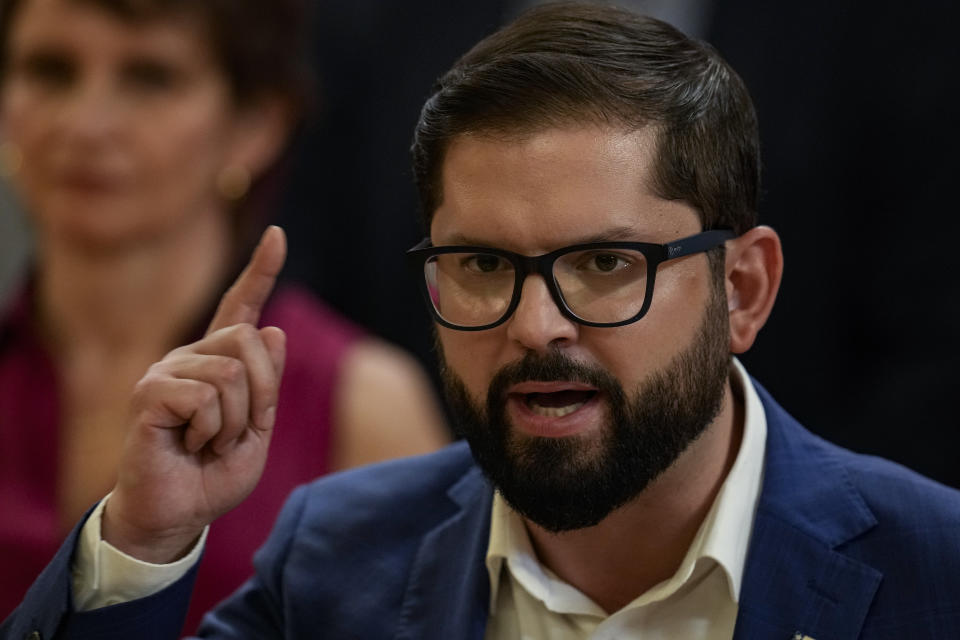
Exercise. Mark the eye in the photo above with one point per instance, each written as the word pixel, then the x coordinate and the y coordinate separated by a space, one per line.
pixel 484 263
pixel 49 69
pixel 150 75
pixel 603 262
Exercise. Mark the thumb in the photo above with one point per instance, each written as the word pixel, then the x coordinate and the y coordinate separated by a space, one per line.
pixel 276 342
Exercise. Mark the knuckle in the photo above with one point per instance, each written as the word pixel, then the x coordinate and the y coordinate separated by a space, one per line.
pixel 207 394
pixel 246 332
pixel 157 368
pixel 270 390
pixel 171 363
pixel 145 385
pixel 178 353
pixel 173 353
pixel 233 370
pixel 201 426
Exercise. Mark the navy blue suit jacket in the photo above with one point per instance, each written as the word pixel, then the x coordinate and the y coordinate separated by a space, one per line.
pixel 844 546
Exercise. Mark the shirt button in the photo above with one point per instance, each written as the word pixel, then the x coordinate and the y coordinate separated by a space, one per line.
pixel 34 636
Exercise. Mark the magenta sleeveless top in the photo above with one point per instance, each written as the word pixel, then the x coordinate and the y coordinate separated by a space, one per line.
pixel 317 339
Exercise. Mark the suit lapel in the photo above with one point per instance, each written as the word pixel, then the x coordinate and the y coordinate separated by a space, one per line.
pixel 797 578
pixel 794 583
pixel 448 594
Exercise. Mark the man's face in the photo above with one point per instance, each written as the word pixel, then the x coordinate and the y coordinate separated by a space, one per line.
pixel 569 421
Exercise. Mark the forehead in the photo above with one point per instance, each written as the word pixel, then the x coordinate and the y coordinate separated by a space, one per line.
pixel 555 187
pixel 83 26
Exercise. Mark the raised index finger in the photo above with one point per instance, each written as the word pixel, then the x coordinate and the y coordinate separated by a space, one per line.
pixel 245 299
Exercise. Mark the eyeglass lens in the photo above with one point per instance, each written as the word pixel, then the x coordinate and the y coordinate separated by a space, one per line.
pixel 597 285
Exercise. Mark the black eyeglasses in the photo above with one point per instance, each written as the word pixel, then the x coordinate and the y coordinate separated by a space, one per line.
pixel 599 284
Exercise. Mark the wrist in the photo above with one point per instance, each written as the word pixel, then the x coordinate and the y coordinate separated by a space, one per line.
pixel 152 546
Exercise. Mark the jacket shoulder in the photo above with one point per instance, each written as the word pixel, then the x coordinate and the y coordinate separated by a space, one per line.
pixel 898 494
pixel 804 469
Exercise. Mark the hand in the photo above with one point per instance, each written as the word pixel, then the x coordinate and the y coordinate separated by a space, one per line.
pixel 202 421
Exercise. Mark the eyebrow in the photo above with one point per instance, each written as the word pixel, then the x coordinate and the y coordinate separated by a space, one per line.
pixel 459 238
pixel 613 234
pixel 40 51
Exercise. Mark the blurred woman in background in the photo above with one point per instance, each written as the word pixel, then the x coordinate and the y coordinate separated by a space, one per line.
pixel 140 135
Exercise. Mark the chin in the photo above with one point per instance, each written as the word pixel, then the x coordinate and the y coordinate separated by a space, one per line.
pixel 95 224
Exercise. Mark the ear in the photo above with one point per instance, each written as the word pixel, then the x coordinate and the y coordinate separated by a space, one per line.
pixel 260 131
pixel 754 266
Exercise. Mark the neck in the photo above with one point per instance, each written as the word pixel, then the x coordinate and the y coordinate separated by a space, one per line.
pixel 643 543
pixel 129 299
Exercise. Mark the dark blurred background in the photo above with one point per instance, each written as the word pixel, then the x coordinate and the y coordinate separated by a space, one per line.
pixel 858 125
pixel 858 113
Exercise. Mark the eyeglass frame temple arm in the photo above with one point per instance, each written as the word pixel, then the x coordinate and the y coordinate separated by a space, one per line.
pixel 697 243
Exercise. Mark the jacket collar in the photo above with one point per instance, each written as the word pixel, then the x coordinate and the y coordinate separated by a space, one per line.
pixel 796 579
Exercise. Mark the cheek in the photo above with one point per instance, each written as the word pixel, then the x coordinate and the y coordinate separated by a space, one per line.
pixel 183 150
pixel 472 356
pixel 15 108
pixel 628 353
pixel 633 352
pixel 24 122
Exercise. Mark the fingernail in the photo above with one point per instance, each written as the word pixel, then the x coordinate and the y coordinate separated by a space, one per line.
pixel 267 418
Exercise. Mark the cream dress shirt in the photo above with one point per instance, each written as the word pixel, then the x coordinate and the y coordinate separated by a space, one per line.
pixel 527 601
pixel 699 602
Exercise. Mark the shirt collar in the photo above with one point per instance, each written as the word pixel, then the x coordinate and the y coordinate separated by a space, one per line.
pixel 723 538
pixel 730 521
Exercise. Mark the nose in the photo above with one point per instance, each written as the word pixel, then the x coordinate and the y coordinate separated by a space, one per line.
pixel 89 112
pixel 537 323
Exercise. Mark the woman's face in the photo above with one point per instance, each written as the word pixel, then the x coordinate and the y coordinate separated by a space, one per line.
pixel 123 126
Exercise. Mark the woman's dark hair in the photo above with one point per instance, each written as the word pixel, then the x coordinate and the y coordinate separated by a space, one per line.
pixel 261 45
pixel 572 64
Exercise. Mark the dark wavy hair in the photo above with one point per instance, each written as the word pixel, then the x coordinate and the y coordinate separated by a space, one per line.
pixel 569 64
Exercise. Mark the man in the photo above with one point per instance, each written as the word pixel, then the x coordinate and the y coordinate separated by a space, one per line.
pixel 589 179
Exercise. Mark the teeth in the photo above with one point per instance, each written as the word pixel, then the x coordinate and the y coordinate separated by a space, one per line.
pixel 555 412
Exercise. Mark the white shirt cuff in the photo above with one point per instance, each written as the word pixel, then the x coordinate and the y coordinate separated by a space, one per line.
pixel 103 575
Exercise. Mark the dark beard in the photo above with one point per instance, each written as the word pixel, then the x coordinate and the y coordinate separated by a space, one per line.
pixel 571 483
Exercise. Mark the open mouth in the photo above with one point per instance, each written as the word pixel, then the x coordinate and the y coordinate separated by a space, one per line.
pixel 557 404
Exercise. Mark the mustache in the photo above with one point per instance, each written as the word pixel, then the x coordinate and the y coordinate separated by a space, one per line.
pixel 544 367
pixel 547 367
